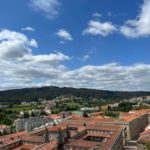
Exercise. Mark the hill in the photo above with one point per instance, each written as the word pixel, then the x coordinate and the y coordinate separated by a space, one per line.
pixel 33 94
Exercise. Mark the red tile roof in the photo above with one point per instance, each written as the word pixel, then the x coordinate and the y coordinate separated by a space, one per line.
pixel 96 119
pixel 82 144
pixel 34 138
pixel 9 142
pixel 12 135
pixel 48 146
pixel 4 126
pixel 56 128
pixel 24 147
pixel 132 115
pixel 144 137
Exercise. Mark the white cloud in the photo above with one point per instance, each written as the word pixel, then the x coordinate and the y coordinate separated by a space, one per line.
pixel 99 28
pixel 50 58
pixel 19 68
pixel 84 58
pixel 134 28
pixel 65 35
pixel 49 7
pixel 14 45
pixel 97 15
pixel 28 29
pixel 140 26
pixel 108 77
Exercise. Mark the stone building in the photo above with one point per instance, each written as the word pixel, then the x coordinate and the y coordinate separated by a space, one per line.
pixel 143 140
pixel 94 137
pixel 78 133
pixel 130 121
pixel 29 124
pixel 135 123
pixel 67 136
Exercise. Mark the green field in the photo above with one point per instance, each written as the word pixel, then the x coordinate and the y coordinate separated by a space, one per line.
pixel 77 112
pixel 19 109
pixel 25 108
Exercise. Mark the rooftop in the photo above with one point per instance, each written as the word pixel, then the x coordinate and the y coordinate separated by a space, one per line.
pixel 144 137
pixel 24 147
pixel 18 134
pixel 34 138
pixel 47 146
pixel 4 126
pixel 82 144
pixel 132 115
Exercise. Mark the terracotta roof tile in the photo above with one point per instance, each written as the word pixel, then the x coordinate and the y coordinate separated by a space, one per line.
pixel 48 146
pixel 34 138
pixel 24 147
pixel 82 144
pixel 12 135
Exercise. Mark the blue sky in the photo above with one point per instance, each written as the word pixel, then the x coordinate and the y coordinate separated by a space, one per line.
pixel 91 44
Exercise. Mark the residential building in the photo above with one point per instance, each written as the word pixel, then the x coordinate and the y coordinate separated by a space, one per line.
pixel 5 129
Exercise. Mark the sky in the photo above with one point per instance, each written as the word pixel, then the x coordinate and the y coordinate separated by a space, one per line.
pixel 97 44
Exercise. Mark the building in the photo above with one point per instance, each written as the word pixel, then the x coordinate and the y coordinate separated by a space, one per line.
pixel 78 133
pixel 130 121
pixel 89 109
pixel 5 129
pixel 113 106
pixel 135 123
pixel 28 142
pixel 66 136
pixel 29 124
pixel 10 140
pixel 143 140
pixel 94 137
pixel 3 106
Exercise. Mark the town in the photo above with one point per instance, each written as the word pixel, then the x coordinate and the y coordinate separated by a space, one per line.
pixel 69 123
pixel 74 75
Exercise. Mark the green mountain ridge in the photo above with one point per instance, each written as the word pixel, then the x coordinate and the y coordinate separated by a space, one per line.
pixel 33 94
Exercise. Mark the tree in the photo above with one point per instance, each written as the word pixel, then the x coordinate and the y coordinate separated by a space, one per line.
pixel 85 115
pixel 6 121
pixel 26 114
pixel 1 133
pixel 109 108
pixel 125 106
pixel 111 114
pixel 32 114
pixel 43 113
pixel 148 146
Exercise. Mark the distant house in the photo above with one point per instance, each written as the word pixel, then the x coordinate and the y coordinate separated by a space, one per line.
pixel 57 118
pixel 114 105
pixel 3 106
pixel 87 109
pixel 24 103
pixel 5 129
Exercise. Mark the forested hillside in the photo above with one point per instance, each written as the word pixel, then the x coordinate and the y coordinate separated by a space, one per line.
pixel 33 94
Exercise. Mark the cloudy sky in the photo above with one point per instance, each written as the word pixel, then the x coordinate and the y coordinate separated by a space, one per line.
pixel 100 44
